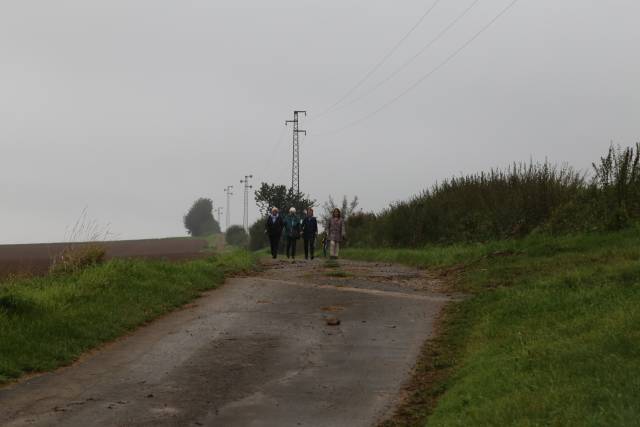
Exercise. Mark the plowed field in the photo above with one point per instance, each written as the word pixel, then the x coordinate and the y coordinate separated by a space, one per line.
pixel 36 258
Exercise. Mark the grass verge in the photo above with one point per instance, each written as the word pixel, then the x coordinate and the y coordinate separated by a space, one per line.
pixel 549 335
pixel 47 322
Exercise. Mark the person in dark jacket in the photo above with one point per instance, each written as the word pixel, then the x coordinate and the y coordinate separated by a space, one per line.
pixel 309 233
pixel 273 227
pixel 292 232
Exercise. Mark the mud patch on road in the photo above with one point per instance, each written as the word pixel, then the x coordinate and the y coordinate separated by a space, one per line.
pixel 226 370
pixel 333 308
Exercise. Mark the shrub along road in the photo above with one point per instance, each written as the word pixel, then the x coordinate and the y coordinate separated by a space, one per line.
pixel 258 351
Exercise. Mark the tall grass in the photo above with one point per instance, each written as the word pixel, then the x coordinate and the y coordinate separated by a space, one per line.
pixel 83 245
pixel 617 179
pixel 511 202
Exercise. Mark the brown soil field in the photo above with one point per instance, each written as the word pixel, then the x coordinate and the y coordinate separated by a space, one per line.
pixel 36 258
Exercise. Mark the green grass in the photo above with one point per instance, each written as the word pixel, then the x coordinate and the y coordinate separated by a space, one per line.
pixel 46 322
pixel 549 335
pixel 337 273
pixel 331 263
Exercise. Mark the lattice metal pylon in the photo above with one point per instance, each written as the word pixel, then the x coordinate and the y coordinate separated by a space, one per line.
pixel 295 162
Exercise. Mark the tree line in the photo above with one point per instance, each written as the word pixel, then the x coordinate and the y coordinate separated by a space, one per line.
pixel 500 203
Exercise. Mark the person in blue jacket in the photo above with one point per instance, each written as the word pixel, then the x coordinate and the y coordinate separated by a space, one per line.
pixel 309 233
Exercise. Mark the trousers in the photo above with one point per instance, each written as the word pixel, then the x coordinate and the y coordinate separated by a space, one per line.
pixel 274 240
pixel 291 246
pixel 309 247
pixel 334 248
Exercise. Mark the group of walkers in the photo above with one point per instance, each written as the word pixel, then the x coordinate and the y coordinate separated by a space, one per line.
pixel 306 227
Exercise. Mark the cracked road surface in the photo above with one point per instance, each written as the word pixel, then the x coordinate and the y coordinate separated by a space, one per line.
pixel 256 352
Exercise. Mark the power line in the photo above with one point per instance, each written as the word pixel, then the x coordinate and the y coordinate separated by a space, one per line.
pixel 274 150
pixel 425 76
pixel 413 58
pixel 382 61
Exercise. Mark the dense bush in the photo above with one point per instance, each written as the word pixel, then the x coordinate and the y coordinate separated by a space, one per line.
pixel 257 237
pixel 362 229
pixel 236 236
pixel 511 202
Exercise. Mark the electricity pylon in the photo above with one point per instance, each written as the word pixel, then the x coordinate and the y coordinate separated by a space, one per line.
pixel 295 163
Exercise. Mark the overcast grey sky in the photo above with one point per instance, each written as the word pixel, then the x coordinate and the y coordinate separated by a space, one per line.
pixel 136 108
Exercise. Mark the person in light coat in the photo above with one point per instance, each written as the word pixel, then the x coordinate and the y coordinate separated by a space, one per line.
pixel 336 233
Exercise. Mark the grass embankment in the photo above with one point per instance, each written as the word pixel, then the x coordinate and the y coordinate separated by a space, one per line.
pixel 549 335
pixel 46 322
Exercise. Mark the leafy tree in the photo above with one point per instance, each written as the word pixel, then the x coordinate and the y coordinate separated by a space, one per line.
pixel 236 236
pixel 199 221
pixel 269 195
pixel 346 209
pixel 257 237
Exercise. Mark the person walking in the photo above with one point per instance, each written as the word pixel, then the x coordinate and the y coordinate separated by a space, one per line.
pixel 292 232
pixel 273 227
pixel 309 233
pixel 336 233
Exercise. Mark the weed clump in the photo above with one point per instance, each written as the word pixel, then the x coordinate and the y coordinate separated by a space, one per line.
pixel 83 249
pixel 77 258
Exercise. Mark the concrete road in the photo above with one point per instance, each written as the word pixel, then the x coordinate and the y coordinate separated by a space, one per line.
pixel 256 352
